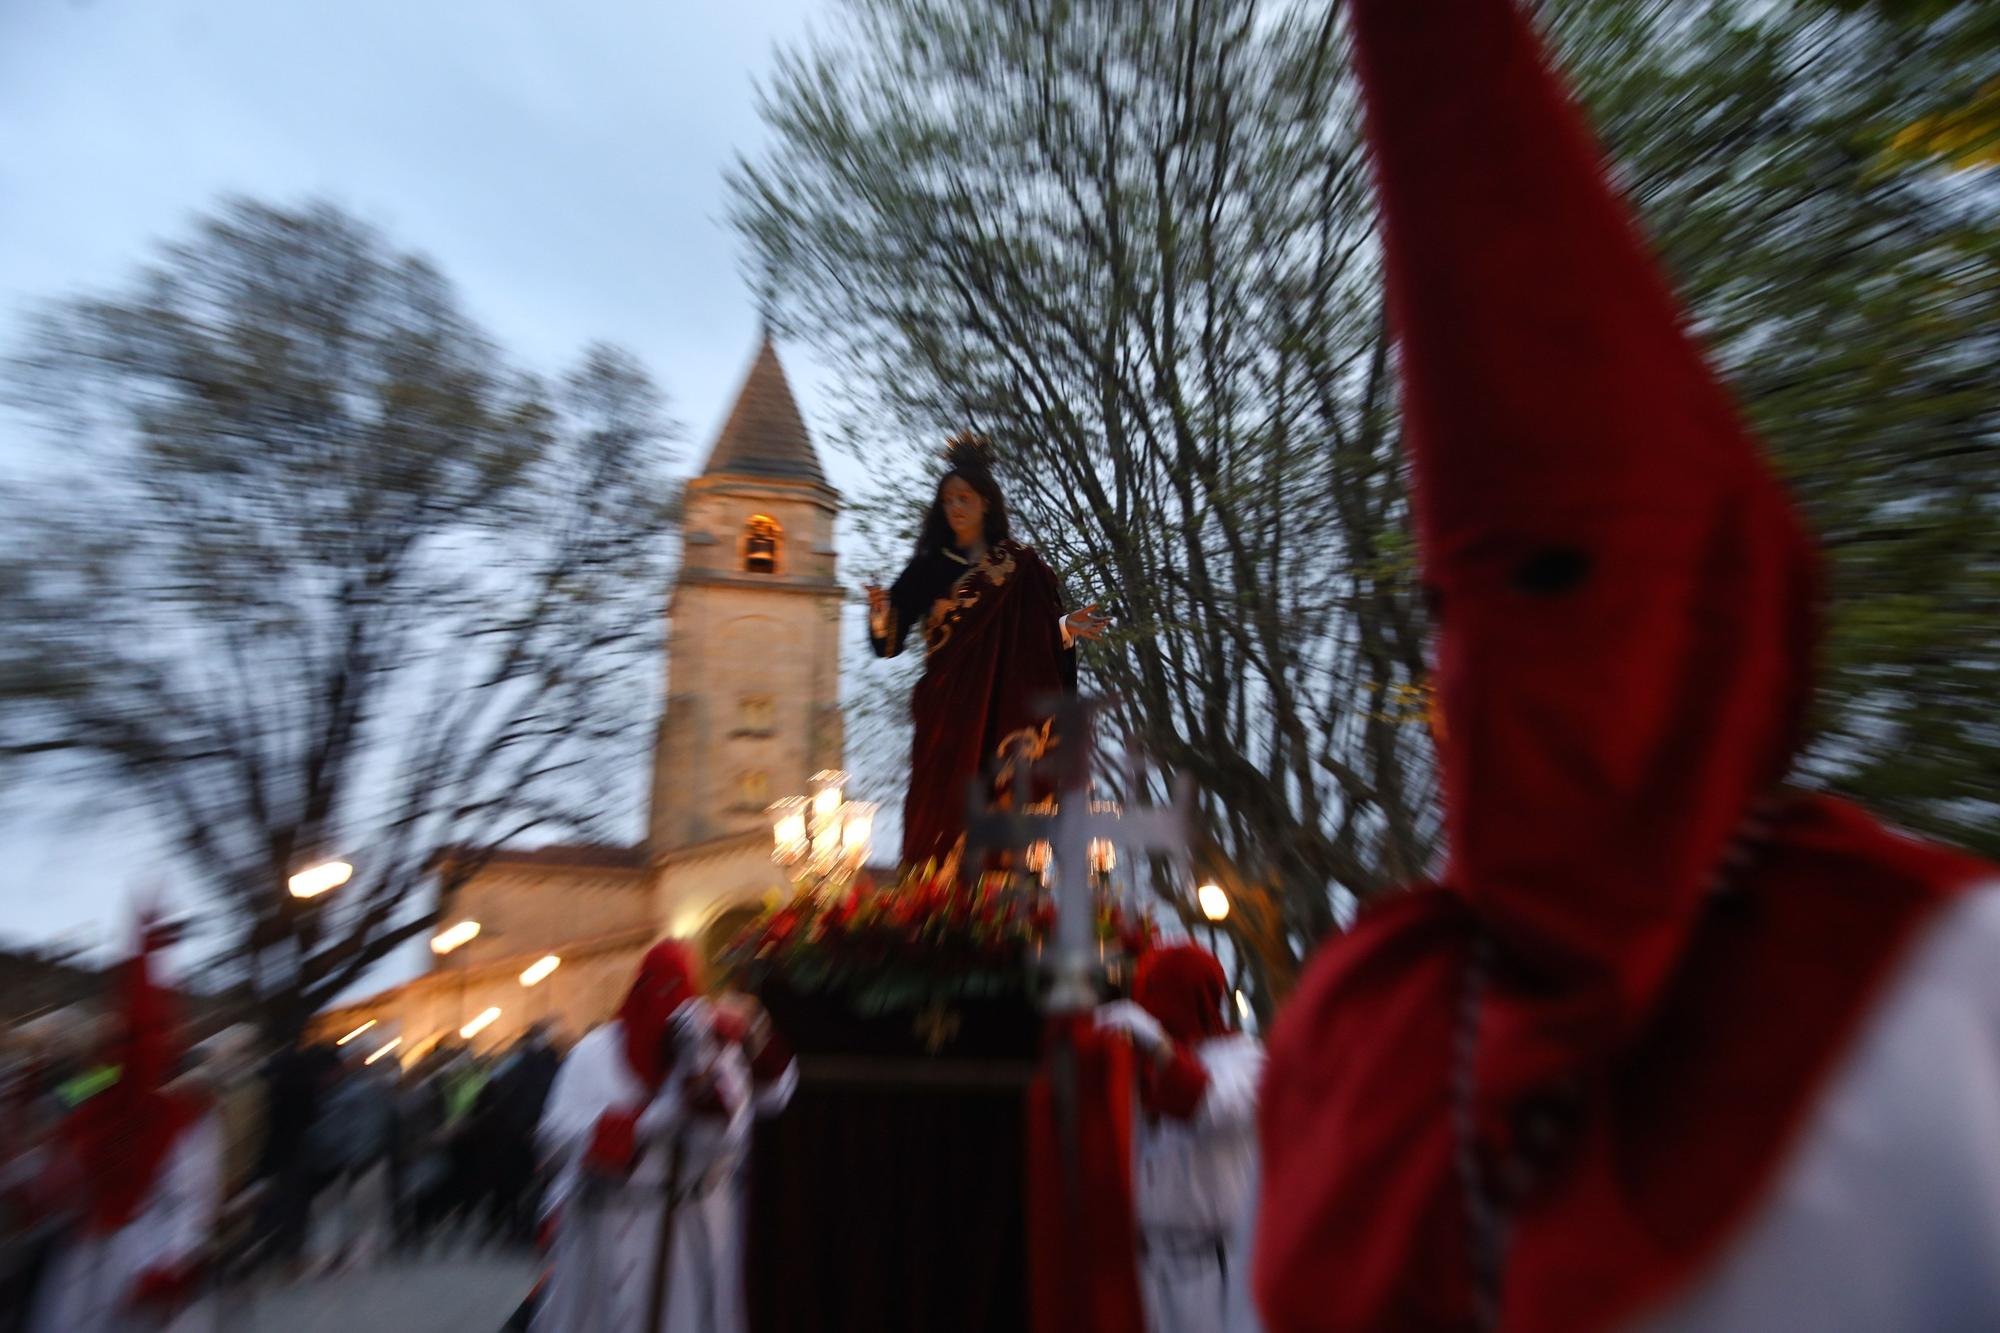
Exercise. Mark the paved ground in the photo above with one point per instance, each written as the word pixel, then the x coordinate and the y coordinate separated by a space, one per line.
pixel 452 1294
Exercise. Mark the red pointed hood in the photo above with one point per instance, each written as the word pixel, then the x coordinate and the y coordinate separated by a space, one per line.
pixel 1624 596
pixel 669 975
pixel 1183 986
pixel 121 1137
pixel 1539 1095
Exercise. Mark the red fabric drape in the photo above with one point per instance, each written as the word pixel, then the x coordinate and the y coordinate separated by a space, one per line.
pixel 1175 1088
pixel 994 658
pixel 1083 1233
pixel 121 1137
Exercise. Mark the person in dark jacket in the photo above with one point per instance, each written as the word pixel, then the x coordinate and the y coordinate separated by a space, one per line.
pixel 295 1079
pixel 511 1105
pixel 352 1143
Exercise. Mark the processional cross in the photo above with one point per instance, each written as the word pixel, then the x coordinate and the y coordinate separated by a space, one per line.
pixel 1070 831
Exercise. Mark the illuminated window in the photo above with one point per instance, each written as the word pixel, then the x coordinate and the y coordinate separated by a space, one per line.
pixel 761 536
pixel 754 787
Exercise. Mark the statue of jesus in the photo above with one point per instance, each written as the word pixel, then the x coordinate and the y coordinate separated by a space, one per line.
pixel 998 645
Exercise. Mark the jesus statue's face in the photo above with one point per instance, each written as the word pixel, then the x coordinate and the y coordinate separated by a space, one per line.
pixel 964 509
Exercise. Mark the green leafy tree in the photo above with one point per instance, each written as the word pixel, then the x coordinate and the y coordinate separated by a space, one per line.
pixel 1951 113
pixel 1855 306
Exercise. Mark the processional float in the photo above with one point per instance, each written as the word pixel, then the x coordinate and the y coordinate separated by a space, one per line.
pixel 958 1154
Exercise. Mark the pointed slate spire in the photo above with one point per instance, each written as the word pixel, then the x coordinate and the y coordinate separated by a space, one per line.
pixel 765 436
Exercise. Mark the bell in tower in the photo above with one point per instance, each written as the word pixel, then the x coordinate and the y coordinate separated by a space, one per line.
pixel 760 546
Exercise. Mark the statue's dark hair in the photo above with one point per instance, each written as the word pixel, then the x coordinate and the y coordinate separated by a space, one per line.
pixel 968 457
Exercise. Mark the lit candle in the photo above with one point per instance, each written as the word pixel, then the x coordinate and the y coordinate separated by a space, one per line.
pixel 859 829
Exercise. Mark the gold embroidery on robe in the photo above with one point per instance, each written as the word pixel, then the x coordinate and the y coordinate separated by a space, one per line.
pixel 997 568
pixel 1015 758
pixel 1027 744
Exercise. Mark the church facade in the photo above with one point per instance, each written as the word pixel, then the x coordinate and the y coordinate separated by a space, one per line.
pixel 752 711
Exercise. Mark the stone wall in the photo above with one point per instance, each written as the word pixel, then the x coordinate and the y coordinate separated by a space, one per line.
pixel 533 909
pixel 581 993
pixel 752 709
pixel 698 885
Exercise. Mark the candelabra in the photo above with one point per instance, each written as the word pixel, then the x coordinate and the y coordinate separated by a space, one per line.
pixel 822 840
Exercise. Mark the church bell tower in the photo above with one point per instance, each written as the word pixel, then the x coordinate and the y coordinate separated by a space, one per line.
pixel 753 676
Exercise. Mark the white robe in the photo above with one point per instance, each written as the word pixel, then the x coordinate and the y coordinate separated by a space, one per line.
pixel 607 1233
pixel 1886 1218
pixel 1195 1183
pixel 91 1279
pixel 732 1314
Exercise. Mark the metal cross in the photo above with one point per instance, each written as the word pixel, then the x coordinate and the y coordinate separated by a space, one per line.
pixel 1070 831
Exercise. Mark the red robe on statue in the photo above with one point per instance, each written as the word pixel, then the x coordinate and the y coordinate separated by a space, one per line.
pixel 993 658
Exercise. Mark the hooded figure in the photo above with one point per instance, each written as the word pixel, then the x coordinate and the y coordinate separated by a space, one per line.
pixel 646 1126
pixel 1639 1055
pixel 1195 1143
pixel 149 1159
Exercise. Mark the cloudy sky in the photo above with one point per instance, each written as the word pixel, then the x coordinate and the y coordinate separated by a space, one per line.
pixel 561 162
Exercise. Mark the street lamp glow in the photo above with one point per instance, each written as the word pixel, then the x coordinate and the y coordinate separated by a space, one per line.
pixel 1214 902
pixel 384 1050
pixel 539 970
pixel 357 1032
pixel 450 938
pixel 480 1024
pixel 315 880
